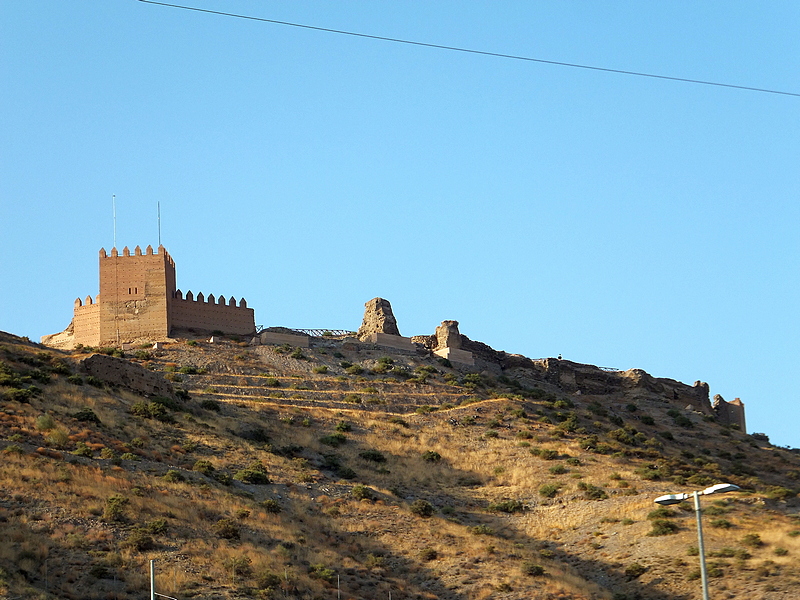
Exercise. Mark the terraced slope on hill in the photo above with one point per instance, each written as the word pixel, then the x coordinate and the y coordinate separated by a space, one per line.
pixel 276 472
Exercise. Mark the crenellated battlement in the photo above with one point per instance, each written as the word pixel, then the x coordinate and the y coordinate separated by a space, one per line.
pixel 178 295
pixel 161 252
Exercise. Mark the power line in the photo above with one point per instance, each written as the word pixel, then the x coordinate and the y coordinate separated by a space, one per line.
pixel 472 51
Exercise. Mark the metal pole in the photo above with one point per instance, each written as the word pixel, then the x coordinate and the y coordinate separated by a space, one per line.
pixel 701 548
pixel 114 213
pixel 152 580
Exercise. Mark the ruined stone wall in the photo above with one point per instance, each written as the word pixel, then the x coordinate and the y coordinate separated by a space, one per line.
pixel 211 314
pixel 730 413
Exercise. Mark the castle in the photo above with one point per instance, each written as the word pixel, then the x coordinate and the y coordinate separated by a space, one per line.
pixel 138 302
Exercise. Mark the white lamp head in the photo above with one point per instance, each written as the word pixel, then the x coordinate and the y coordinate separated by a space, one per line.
pixel 720 488
pixel 671 499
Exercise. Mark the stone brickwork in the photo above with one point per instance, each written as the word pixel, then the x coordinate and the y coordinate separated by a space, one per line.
pixel 139 302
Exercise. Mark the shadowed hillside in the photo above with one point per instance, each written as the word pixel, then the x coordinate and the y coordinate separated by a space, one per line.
pixel 276 472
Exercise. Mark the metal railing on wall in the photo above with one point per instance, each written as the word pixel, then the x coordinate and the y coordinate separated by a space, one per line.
pixel 315 332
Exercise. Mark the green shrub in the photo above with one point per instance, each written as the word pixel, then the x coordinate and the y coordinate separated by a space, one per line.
pixel 83 450
pixel 507 506
pixel 421 508
pixel 428 554
pixel 271 506
pixel 45 422
pixel 431 456
pixel 663 527
pixel 721 523
pixel 203 466
pixel 320 370
pixel 780 493
pixel 227 529
pixel 115 507
pixel 372 456
pixel 532 569
pixel 256 474
pixel 592 492
pixel 362 492
pixel 354 370
pixel 86 415
pixel 129 456
pixel 752 540
pixel 549 490
pixel 139 541
pixel 209 404
pixel 634 570
pixel 174 476
pixel 343 426
pixel 482 530
pixel 334 439
pixel 352 398
pixel 75 379
pixel 321 572
pixel 156 526
pixel 662 512
pixel 152 410
pixel 558 470
pixel 491 434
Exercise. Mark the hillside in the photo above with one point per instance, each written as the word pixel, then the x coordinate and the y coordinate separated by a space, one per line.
pixel 272 472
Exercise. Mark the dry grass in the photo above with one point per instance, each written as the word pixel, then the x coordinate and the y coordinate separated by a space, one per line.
pixel 53 508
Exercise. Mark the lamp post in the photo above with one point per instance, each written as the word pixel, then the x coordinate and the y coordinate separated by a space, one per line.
pixel 720 488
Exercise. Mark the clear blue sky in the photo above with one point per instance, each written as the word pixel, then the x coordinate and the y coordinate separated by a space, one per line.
pixel 619 221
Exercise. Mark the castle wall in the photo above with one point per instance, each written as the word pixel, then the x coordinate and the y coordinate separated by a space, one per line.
pixel 188 313
pixel 86 324
pixel 138 301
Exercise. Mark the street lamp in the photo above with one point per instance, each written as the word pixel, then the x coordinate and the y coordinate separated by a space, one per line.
pixel 720 488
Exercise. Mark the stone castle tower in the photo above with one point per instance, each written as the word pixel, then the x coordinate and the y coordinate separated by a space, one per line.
pixel 138 302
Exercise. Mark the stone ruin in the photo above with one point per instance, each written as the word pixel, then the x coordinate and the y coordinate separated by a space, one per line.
pixel 380 327
pixel 730 413
pixel 378 318
pixel 449 342
pixel 447 336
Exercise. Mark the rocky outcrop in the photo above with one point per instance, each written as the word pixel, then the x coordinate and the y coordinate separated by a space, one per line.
pixel 64 340
pixel 378 318
pixel 118 371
